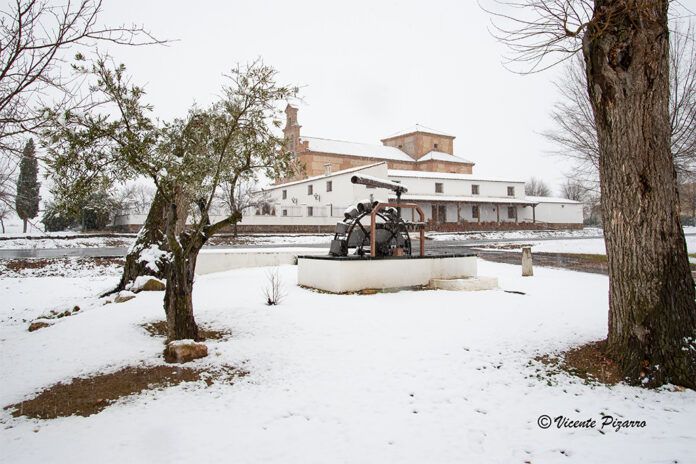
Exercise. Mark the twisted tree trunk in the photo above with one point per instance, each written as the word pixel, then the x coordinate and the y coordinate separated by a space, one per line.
pixel 652 313
pixel 178 296
pixel 152 233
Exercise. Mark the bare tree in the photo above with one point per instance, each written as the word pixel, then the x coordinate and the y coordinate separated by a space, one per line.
pixel 35 38
pixel 8 166
pixel 536 188
pixel 573 190
pixel 575 133
pixel 240 197
pixel 626 51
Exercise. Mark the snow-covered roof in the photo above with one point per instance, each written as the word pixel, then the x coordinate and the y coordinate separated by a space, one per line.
pixel 418 128
pixel 323 176
pixel 447 175
pixel 468 199
pixel 341 147
pixel 441 156
pixel 552 200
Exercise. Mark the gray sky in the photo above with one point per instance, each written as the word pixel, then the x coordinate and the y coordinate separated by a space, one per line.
pixel 368 69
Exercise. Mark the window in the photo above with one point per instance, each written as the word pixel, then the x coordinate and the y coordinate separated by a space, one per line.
pixel 400 147
pixel 475 212
pixel 438 187
pixel 310 190
pixel 285 212
pixel 329 186
pixel 474 189
pixel 511 191
pixel 511 212
pixel 285 194
pixel 435 146
pixel 310 211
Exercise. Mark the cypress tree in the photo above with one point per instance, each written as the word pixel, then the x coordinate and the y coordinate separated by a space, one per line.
pixel 27 200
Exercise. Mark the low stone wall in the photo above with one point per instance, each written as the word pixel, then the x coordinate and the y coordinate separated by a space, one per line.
pixel 329 229
pixel 220 260
pixel 494 226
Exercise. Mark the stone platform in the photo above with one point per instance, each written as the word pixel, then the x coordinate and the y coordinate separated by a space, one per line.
pixel 353 273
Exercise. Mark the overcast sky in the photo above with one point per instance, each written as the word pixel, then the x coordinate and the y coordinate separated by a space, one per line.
pixel 367 69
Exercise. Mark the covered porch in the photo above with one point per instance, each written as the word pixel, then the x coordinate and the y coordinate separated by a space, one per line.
pixel 472 210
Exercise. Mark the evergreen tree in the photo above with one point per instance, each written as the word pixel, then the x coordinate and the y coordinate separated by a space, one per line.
pixel 27 200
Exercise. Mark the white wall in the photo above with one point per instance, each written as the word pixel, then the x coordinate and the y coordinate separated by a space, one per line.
pixel 460 187
pixel 559 213
pixel 328 207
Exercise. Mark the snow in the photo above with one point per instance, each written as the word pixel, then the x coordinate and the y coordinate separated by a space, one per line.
pixel 446 175
pixel 440 156
pixel 153 256
pixel 516 234
pixel 565 201
pixel 65 240
pixel 583 246
pixel 140 282
pixel 412 377
pixel 325 176
pixel 340 147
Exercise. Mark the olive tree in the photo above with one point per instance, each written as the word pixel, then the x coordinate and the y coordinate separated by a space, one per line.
pixel 189 160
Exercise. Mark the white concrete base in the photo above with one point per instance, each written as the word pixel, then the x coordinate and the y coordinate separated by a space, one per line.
pixel 219 260
pixel 344 275
pixel 467 285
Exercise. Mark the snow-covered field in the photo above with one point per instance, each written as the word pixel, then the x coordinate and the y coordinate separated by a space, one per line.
pixel 73 240
pixel 582 245
pixel 516 234
pixel 429 376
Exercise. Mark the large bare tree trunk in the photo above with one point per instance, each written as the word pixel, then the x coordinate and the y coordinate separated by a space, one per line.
pixel 652 313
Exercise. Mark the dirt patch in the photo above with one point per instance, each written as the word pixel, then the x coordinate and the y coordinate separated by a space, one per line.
pixel 589 362
pixel 87 396
pixel 159 329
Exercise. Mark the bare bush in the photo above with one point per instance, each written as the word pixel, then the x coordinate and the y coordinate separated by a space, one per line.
pixel 274 291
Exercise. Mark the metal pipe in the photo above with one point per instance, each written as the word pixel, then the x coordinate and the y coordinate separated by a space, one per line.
pixel 377 183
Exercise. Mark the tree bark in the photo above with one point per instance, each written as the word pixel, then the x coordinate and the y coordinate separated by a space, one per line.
pixel 152 233
pixel 652 313
pixel 178 297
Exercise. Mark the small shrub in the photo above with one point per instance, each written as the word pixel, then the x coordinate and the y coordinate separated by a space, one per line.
pixel 273 292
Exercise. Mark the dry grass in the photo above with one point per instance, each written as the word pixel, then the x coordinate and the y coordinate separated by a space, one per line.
pixel 87 396
pixel 588 362
pixel 159 329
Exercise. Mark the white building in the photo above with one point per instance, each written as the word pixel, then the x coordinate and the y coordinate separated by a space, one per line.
pixel 422 159
pixel 451 201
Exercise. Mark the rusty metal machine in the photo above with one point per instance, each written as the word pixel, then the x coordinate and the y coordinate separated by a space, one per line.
pixel 376 229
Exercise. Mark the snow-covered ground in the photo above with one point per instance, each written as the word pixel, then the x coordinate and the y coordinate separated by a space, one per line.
pixel 74 240
pixel 429 376
pixel 516 234
pixel 585 246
